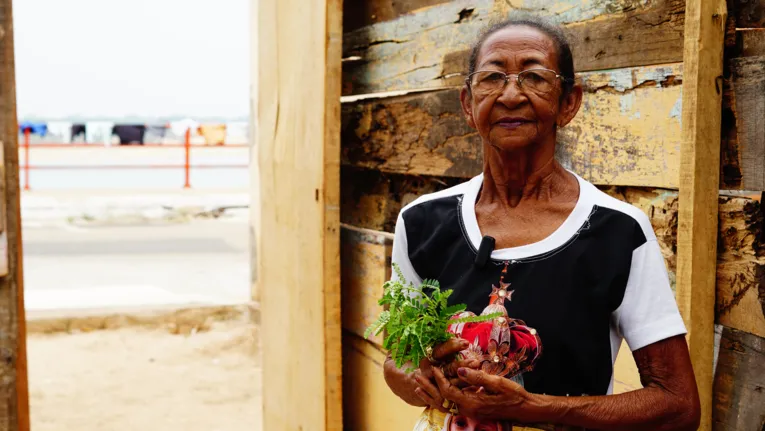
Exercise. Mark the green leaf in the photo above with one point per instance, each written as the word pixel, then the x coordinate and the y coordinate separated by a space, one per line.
pixel 475 319
pixel 416 318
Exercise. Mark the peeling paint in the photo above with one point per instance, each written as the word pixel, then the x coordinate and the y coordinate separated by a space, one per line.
pixel 573 11
pixel 677 109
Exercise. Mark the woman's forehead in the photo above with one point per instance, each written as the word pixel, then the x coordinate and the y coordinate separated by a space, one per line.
pixel 518 46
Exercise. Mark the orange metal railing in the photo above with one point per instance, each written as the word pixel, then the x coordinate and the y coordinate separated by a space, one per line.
pixel 186 165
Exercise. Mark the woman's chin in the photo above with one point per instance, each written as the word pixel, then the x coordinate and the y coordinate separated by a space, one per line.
pixel 512 143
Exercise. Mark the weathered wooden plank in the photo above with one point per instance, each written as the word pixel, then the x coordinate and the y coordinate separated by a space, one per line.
pixel 14 391
pixel 705 26
pixel 750 43
pixel 740 300
pixel 739 385
pixel 430 49
pixel 748 13
pixel 372 407
pixel 365 261
pixel 627 132
pixel 357 14
pixel 372 200
pixel 298 122
pixel 743 126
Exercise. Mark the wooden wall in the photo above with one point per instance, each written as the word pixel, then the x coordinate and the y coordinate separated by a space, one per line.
pixel 14 389
pixel 403 135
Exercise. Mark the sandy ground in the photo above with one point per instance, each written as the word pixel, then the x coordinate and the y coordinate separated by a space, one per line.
pixel 133 379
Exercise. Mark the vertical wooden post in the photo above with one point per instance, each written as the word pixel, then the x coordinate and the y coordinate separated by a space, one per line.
pixel 699 186
pixel 14 398
pixel 298 130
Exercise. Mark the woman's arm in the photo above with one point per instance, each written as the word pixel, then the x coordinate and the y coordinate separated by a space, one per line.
pixel 668 401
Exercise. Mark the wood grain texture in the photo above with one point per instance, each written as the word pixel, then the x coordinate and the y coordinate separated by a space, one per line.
pixel 357 14
pixel 744 124
pixel 298 120
pixel 750 43
pixel 739 385
pixel 430 48
pixel 372 406
pixel 366 266
pixel 705 25
pixel 372 200
pixel 14 392
pixel 627 132
pixel 748 13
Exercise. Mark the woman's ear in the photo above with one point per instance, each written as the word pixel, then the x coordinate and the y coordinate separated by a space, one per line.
pixel 466 100
pixel 570 105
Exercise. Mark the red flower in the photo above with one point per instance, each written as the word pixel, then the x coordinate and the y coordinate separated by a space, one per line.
pixel 480 331
pixel 525 339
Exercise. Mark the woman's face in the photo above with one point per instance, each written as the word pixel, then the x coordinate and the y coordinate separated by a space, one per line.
pixel 464 423
pixel 516 117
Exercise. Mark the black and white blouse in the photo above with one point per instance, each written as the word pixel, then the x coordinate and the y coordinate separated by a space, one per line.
pixel 599 278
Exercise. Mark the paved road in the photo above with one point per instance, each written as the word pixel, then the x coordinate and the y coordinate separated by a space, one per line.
pixel 73 267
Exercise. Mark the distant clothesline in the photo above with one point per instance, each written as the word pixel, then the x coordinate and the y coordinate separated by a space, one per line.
pixel 108 133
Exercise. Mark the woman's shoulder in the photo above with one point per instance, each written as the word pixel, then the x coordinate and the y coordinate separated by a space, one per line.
pixel 627 211
pixel 454 192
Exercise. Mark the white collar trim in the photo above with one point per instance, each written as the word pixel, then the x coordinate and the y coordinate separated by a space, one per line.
pixel 563 234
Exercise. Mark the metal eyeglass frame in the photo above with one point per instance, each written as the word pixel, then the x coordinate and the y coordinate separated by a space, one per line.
pixel 517 76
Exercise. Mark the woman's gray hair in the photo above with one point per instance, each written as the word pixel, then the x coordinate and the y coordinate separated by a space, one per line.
pixel 553 31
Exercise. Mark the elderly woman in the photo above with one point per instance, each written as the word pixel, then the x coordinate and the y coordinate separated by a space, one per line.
pixel 581 268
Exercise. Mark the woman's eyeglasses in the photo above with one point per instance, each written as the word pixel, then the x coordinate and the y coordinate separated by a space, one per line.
pixel 489 82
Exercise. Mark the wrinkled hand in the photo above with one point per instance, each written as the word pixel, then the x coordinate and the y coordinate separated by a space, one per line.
pixel 487 396
pixel 424 375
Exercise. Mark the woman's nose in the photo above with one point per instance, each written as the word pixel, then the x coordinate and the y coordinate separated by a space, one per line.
pixel 512 93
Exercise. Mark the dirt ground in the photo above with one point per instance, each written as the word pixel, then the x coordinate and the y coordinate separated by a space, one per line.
pixel 137 379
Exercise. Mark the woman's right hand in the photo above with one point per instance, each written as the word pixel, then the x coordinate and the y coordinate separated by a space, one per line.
pixel 419 388
pixel 443 353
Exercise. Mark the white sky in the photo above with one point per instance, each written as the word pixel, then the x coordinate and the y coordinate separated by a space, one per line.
pixel 146 58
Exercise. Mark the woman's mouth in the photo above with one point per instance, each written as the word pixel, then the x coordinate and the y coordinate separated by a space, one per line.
pixel 511 123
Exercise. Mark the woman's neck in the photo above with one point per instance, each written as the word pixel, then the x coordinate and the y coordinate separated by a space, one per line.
pixel 511 177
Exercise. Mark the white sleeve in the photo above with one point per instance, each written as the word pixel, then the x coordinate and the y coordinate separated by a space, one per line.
pixel 648 312
pixel 400 255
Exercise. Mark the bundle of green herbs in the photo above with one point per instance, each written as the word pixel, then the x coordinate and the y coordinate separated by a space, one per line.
pixel 416 319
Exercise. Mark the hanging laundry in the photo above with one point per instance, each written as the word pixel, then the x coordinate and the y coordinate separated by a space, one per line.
pixel 129 133
pixel 78 132
pixel 99 132
pixel 214 134
pixel 155 134
pixel 237 132
pixel 34 128
pixel 179 127
pixel 60 131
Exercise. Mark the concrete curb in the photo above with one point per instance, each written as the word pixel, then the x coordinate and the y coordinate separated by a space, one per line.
pixel 84 208
pixel 176 320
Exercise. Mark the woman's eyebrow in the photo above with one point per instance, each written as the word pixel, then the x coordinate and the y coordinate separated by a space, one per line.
pixel 528 61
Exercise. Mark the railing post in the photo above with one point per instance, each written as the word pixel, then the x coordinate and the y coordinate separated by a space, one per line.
pixel 186 165
pixel 26 159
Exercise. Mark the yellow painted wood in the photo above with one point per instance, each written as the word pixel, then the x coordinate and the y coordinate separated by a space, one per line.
pixel 298 131
pixel 626 133
pixel 369 404
pixel 699 180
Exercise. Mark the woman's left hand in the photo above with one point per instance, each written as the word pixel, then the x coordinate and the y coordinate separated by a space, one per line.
pixel 488 396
